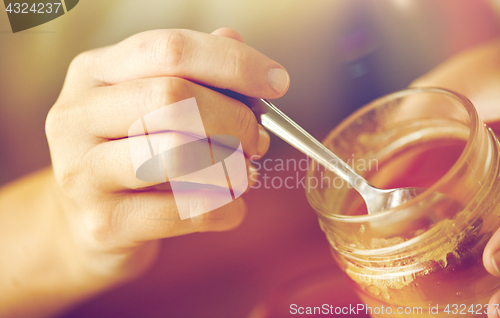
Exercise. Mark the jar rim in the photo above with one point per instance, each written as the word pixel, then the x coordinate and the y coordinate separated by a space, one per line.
pixel 462 159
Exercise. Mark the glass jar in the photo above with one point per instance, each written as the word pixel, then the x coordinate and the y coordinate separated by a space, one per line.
pixel 423 258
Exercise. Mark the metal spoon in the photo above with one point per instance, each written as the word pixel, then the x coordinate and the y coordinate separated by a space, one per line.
pixel 377 200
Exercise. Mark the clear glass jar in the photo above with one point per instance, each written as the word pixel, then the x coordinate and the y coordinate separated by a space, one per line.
pixel 427 253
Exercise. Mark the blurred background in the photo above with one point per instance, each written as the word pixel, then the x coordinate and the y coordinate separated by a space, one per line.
pixel 340 54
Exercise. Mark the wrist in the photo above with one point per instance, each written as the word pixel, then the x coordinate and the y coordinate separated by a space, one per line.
pixel 44 261
pixel 98 252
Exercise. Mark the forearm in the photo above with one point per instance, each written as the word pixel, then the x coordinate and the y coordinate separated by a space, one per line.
pixel 474 73
pixel 41 273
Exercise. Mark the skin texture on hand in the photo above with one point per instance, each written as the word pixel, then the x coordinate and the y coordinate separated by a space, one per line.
pixel 476 74
pixel 90 223
pixel 107 89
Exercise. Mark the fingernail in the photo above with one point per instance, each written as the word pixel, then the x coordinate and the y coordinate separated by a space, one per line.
pixel 264 141
pixel 495 260
pixel 278 79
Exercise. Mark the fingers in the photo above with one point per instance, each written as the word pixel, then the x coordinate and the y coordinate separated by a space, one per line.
pixel 123 104
pixel 491 261
pixel 208 59
pixel 491 255
pixel 494 307
pixel 109 168
pixel 134 84
pixel 153 215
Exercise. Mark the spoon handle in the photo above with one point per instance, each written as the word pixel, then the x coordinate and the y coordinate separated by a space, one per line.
pixel 285 128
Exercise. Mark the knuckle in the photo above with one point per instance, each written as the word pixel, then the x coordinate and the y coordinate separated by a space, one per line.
pixel 51 124
pixel 63 119
pixel 100 224
pixel 86 62
pixel 79 61
pixel 68 180
pixel 230 33
pixel 60 126
pixel 167 90
pixel 166 50
pixel 60 121
pixel 177 89
pixel 70 174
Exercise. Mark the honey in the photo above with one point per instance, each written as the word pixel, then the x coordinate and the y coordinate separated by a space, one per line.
pixel 427 254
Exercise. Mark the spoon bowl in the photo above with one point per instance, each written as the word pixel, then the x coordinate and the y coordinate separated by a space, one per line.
pixel 377 200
